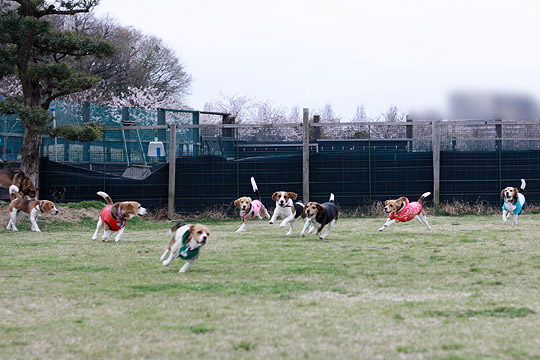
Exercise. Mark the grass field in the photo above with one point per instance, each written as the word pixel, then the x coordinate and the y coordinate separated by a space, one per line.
pixel 468 289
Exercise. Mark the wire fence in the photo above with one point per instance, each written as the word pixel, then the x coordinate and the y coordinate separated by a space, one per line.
pixel 360 163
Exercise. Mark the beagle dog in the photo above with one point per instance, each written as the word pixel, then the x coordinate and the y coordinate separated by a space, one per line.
pixel 186 243
pixel 513 201
pixel 250 208
pixel 318 216
pixel 402 210
pixel 33 208
pixel 287 209
pixel 115 215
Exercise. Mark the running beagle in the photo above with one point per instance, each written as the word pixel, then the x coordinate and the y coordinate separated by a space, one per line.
pixel 287 209
pixel 318 216
pixel 402 210
pixel 514 201
pixel 250 208
pixel 33 208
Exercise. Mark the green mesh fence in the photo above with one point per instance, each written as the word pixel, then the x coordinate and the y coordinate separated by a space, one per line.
pixel 359 163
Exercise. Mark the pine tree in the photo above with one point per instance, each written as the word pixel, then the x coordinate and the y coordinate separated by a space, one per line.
pixel 36 53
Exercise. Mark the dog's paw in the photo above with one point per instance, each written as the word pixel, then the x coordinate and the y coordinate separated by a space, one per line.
pixel 382 228
pixel 94 237
pixel 271 222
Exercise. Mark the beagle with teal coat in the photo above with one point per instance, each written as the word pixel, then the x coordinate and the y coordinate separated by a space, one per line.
pixel 513 202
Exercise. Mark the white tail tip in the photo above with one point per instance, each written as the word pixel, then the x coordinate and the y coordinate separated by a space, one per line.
pixel 523 184
pixel 331 197
pixel 254 184
pixel 13 189
pixel 426 194
pixel 102 194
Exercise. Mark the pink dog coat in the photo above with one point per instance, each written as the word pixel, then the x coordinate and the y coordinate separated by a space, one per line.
pixel 113 223
pixel 256 207
pixel 408 211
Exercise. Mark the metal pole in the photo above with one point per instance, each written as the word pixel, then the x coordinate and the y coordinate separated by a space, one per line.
pixel 53 109
pixel 172 172
pixel 305 157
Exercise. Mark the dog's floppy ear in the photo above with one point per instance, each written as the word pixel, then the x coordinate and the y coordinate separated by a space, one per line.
pixel 129 208
pixel 502 193
pixel 191 228
pixel 293 195
pixel 402 199
pixel 237 203
pixel 304 212
pixel 320 208
pixel 275 196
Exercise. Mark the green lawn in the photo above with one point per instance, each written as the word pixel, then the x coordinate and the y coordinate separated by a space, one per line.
pixel 468 289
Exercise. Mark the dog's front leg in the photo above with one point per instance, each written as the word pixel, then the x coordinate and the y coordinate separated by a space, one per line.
pixel 98 226
pixel 243 226
pixel 171 258
pixel 120 232
pixel 286 220
pixel 514 221
pixel 387 224
pixel 306 225
pixel 504 215
pixel 274 217
pixel 185 267
pixel 33 216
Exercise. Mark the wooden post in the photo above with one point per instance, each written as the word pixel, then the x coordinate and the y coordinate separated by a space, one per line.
pixel 305 158
pixel 172 173
pixel 316 130
pixel 436 148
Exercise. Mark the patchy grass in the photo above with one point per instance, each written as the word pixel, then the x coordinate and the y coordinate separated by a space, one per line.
pixel 468 289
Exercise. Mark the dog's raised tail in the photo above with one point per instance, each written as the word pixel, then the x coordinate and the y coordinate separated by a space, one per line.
pixel 331 197
pixel 424 195
pixel 105 196
pixel 177 226
pixel 523 184
pixel 14 192
pixel 255 188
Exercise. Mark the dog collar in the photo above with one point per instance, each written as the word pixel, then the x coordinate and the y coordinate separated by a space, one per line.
pixel 40 207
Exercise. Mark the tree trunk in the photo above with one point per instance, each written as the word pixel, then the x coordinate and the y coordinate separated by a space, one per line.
pixel 30 154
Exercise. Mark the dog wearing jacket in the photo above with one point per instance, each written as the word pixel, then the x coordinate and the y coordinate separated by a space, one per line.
pixel 250 208
pixel 114 216
pixel 401 210
pixel 513 202
pixel 33 208
pixel 318 216
pixel 186 243
pixel 287 209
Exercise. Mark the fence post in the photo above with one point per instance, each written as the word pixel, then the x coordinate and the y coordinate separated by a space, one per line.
pixel 196 137
pixel 436 149
pixel 161 120
pixel 305 158
pixel 316 130
pixel 85 119
pixel 172 172
pixel 409 134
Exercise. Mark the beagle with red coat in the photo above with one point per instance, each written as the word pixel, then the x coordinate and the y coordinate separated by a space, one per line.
pixel 287 209
pixel 115 215
pixel 33 208
pixel 401 210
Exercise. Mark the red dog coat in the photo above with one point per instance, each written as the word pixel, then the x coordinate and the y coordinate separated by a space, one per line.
pixel 114 224
pixel 408 211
